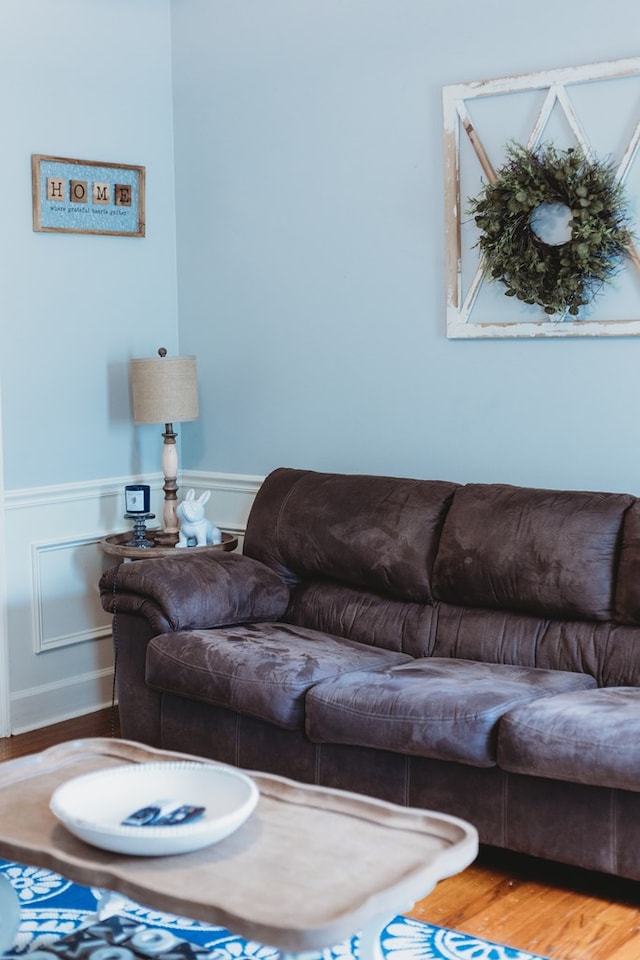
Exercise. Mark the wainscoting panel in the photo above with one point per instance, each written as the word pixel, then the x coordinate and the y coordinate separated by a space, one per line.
pixel 67 607
pixel 60 656
pixel 59 638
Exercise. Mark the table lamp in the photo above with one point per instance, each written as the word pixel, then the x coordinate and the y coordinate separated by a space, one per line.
pixel 165 390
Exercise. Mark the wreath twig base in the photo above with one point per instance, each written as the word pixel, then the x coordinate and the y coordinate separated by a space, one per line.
pixel 562 277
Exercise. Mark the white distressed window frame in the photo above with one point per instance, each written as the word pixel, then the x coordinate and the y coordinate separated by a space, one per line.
pixel 457 122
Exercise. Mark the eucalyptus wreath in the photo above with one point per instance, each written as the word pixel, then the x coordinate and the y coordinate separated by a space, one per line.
pixel 560 278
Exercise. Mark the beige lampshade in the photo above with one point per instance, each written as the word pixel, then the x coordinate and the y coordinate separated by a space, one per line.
pixel 164 389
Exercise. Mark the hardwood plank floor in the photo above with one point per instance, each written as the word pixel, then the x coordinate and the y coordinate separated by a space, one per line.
pixel 104 723
pixel 545 908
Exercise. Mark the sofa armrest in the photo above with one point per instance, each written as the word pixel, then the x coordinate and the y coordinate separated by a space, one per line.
pixel 195 592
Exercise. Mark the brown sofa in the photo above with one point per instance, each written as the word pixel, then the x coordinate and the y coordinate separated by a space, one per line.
pixel 473 649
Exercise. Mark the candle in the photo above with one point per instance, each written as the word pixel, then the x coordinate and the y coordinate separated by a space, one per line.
pixel 137 497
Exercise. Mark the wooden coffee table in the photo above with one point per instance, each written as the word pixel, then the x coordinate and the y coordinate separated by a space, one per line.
pixel 311 866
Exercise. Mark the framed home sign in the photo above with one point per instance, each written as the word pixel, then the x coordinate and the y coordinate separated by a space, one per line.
pixel 87 196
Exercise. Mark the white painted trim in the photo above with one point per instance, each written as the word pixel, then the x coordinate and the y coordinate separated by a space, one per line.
pixel 86 511
pixel 69 516
pixel 27 704
pixel 40 644
pixel 232 482
pixel 63 493
pixel 113 486
pixel 67 639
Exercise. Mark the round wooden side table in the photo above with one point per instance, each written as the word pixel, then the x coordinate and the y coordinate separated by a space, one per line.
pixel 117 546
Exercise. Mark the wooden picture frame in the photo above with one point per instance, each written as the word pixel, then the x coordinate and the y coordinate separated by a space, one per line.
pixel 87 196
pixel 473 153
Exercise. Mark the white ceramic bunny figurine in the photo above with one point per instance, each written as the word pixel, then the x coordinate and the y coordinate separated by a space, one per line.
pixel 193 523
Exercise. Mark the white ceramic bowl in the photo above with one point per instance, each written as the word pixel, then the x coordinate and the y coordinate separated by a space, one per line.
pixel 93 806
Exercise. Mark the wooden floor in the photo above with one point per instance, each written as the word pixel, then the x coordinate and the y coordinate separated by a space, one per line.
pixel 544 908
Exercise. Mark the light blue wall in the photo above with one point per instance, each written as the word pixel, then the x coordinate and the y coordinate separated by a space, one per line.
pixel 310 244
pixel 88 81
pixel 308 139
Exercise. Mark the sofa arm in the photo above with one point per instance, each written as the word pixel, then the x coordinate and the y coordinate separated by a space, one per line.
pixel 195 592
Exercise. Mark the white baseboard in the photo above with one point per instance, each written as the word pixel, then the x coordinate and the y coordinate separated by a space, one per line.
pixel 54 702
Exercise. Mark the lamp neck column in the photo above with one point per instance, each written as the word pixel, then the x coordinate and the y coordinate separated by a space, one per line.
pixel 170 471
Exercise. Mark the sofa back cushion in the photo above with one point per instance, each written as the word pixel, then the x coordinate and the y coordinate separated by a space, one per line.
pixel 487 572
pixel 361 615
pixel 628 588
pixel 378 534
pixel 548 553
pixel 608 651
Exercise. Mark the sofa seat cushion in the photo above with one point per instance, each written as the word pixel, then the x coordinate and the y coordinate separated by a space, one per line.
pixel 440 708
pixel 589 737
pixel 263 670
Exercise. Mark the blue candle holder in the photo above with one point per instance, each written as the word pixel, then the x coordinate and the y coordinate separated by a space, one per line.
pixel 140 530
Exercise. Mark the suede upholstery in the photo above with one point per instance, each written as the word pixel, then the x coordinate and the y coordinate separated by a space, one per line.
pixel 263 670
pixel 531 551
pixel 580 737
pixel 473 649
pixel 435 707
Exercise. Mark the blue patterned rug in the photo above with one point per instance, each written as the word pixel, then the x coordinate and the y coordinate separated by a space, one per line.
pixel 54 908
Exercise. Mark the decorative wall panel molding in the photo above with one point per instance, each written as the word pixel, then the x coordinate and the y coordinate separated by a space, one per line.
pixel 67 607
pixel 58 635
pixel 595 108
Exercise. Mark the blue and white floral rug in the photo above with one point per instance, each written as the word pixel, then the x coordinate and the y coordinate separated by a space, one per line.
pixel 54 908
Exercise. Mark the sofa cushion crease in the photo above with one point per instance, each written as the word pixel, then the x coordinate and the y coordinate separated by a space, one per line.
pixel 605 651
pixel 363 615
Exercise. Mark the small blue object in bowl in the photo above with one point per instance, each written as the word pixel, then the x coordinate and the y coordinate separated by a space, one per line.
pixel 163 813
